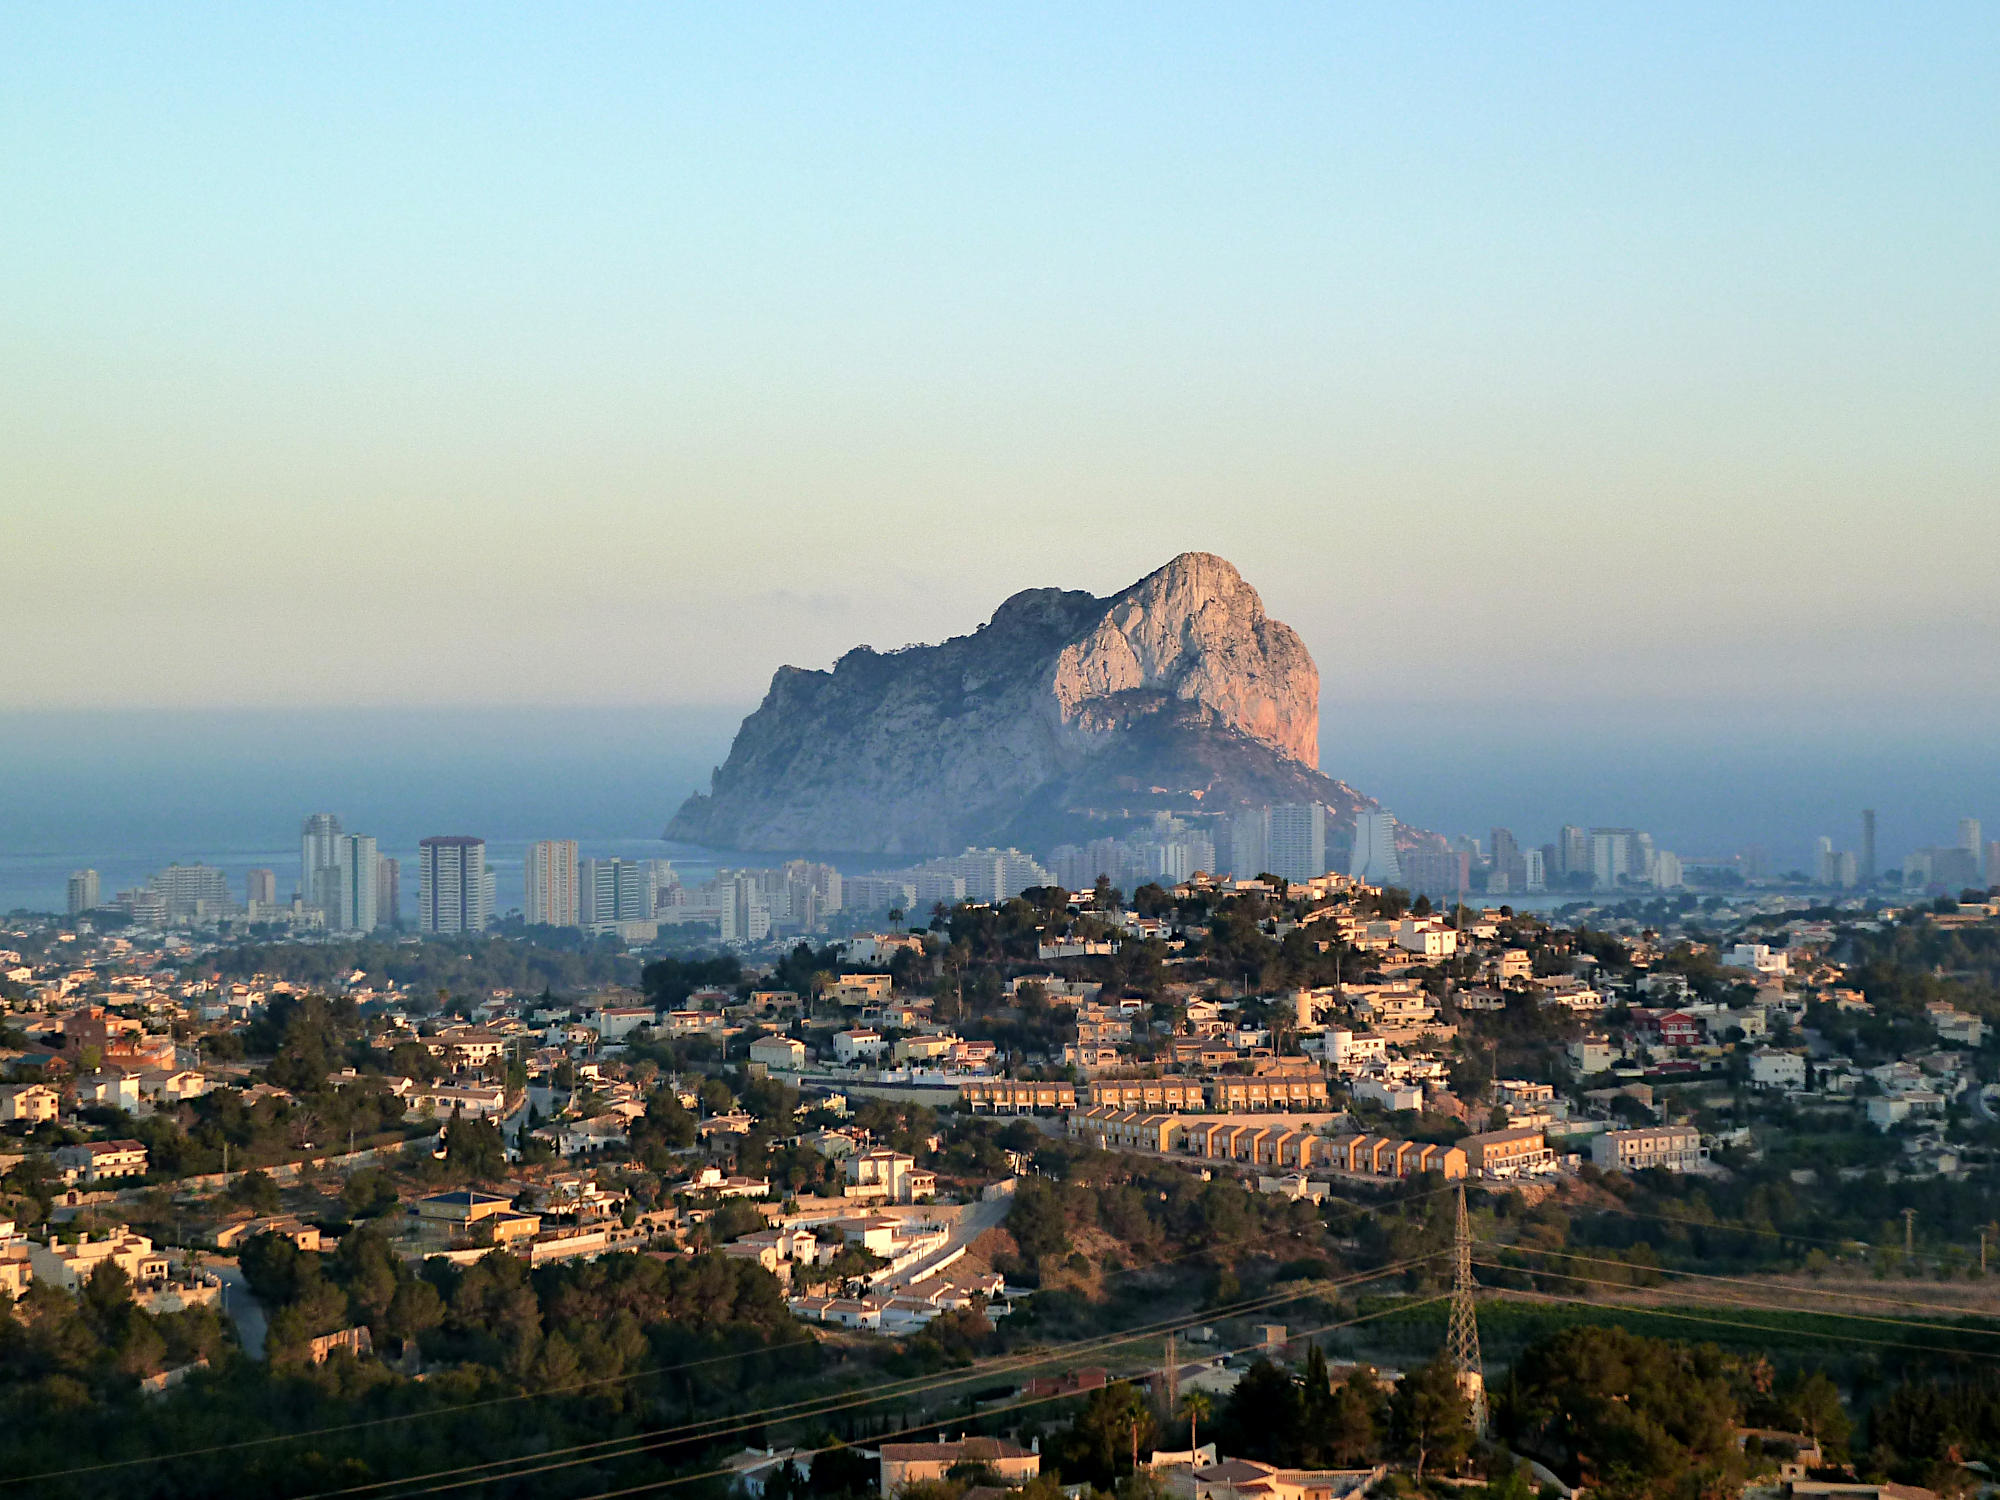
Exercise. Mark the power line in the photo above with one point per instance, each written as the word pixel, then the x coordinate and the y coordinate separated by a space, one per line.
pixel 1761 1287
pixel 582 1385
pixel 1011 1406
pixel 1716 1227
pixel 843 1401
pixel 1737 1323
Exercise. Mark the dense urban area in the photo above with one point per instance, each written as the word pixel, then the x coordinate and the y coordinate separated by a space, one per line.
pixel 1090 1173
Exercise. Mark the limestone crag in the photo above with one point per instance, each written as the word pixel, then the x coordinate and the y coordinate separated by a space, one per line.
pixel 1179 693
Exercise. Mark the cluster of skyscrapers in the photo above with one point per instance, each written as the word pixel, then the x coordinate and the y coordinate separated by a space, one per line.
pixel 987 875
pixel 1295 841
pixel 561 890
pixel 1971 863
pixel 354 886
pixel 631 899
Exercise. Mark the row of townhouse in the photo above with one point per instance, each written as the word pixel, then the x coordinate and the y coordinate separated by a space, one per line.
pixel 1264 1144
pixel 1287 1090
pixel 1011 1096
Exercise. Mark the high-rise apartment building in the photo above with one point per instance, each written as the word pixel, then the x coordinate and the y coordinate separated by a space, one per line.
pixel 1573 846
pixel 1971 841
pixel 1835 867
pixel 1296 840
pixel 84 893
pixel 452 890
pixel 191 891
pixel 981 875
pixel 1955 869
pixel 746 912
pixel 1509 870
pixel 347 889
pixel 1373 859
pixel 1249 844
pixel 260 888
pixel 319 836
pixel 609 891
pixel 549 877
pixel 1611 857
pixel 1432 867
pixel 388 892
pixel 356 873
pixel 1867 871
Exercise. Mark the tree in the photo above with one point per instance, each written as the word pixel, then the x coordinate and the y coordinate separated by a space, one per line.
pixel 841 1471
pixel 1264 1415
pixel 1350 1435
pixel 1812 1404
pixel 1099 1444
pixel 474 1150
pixel 255 1191
pixel 1196 1405
pixel 1430 1417
pixel 107 1294
pixel 1037 1221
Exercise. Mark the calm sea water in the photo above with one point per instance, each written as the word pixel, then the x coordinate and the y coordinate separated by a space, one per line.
pixel 125 793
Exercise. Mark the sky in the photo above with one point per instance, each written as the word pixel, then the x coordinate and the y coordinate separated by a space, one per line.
pixel 1577 374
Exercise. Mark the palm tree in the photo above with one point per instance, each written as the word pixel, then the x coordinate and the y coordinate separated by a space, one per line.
pixel 1197 1405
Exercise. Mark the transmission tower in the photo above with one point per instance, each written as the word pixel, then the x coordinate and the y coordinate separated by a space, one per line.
pixel 1462 1331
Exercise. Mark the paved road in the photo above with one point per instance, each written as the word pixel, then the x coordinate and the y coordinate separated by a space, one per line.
pixel 973 1221
pixel 542 1099
pixel 244 1310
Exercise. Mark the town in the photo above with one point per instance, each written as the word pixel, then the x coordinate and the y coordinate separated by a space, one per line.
pixel 316 1147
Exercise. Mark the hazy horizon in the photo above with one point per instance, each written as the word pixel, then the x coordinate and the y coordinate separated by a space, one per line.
pixel 154 785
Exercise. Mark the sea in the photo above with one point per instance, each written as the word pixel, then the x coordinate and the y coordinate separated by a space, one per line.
pixel 127 792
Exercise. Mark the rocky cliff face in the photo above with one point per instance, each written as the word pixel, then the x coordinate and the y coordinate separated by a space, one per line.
pixel 1179 693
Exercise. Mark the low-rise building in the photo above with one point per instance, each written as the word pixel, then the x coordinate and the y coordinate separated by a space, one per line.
pixel 1590 1056
pixel 1388 1093
pixel 34 1103
pixel 1247 1095
pixel 905 1464
pixel 1777 1070
pixel 1347 1050
pixel 1759 958
pixel 69 1266
pixel 888 1174
pixel 1147 1093
pixel 1248 1479
pixel 779 1052
pixel 850 1047
pixel 1009 1096
pixel 1508 1153
pixel 1674 1148
pixel 101 1161
pixel 305 1236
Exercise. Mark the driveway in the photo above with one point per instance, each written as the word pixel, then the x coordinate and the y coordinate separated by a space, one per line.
pixel 244 1310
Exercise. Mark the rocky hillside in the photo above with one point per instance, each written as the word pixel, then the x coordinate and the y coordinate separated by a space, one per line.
pixel 1179 693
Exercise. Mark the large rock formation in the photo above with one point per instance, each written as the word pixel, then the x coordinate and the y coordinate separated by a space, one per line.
pixel 1177 694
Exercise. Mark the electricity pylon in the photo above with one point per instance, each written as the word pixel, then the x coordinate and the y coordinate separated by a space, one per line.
pixel 1462 1331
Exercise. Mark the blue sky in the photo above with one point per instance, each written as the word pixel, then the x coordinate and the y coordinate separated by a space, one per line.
pixel 1565 363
